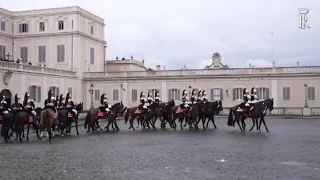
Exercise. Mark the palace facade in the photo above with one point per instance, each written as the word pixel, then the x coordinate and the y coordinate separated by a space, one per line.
pixel 63 49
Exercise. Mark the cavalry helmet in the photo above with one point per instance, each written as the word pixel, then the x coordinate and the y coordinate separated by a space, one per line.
pixel 149 94
pixel 142 94
pixel 184 93
pixel 3 97
pixel 49 93
pixel 102 97
pixel 204 93
pixel 253 90
pixel 61 97
pixel 245 91
pixel 193 92
pixel 16 98
pixel 199 93
pixel 157 94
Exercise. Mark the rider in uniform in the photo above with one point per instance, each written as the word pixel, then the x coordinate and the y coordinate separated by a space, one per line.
pixel 105 106
pixel 254 96
pixel 29 105
pixel 70 105
pixel 150 99
pixel 185 101
pixel 50 102
pixel 143 101
pixel 246 99
pixel 61 102
pixel 16 106
pixel 157 99
pixel 204 96
pixel 193 97
pixel 4 106
pixel 199 98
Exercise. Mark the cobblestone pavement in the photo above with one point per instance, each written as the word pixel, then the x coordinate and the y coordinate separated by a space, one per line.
pixel 291 151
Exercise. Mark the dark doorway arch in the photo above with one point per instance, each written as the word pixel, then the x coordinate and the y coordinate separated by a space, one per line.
pixel 8 94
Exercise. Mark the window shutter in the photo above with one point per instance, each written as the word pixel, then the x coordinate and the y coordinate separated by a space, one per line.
pixel 234 94
pixel 20 28
pixel 221 94
pixel 39 54
pixel 38 94
pixel 178 90
pixel 169 95
pixel 27 27
pixel 267 93
pixel 211 93
pixel 63 53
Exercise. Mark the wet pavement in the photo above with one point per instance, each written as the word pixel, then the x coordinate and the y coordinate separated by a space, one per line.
pixel 291 151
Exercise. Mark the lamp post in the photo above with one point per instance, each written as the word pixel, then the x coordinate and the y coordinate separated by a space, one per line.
pixel 305 95
pixel 91 93
pixel 190 87
pixel 122 89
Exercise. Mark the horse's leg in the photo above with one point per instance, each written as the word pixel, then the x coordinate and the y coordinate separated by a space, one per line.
pixel 238 122
pixel 28 130
pixel 23 132
pixel 253 124
pixel 76 124
pixel 181 121
pixel 131 122
pixel 264 123
pixel 108 124
pixel 212 120
pixel 20 133
pixel 209 119
pixel 204 122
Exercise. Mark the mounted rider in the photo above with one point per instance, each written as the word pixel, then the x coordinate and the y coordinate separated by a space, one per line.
pixel 254 96
pixel 4 106
pixel 61 102
pixel 105 106
pixel 16 106
pixel 193 97
pixel 204 96
pixel 246 99
pixel 29 105
pixel 157 97
pixel 143 101
pixel 50 102
pixel 70 105
pixel 150 99
pixel 185 101
pixel 199 98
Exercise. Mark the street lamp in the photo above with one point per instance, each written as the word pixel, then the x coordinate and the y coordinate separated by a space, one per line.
pixel 91 93
pixel 305 95
pixel 122 89
pixel 190 87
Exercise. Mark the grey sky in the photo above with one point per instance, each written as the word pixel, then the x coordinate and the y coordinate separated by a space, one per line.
pixel 186 32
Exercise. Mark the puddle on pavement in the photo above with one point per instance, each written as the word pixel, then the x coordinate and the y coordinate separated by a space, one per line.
pixel 292 163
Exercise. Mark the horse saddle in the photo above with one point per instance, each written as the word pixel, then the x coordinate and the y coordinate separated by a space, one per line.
pixel 141 110
pixel 242 109
pixel 100 114
pixel 180 110
pixel 70 115
pixel 31 118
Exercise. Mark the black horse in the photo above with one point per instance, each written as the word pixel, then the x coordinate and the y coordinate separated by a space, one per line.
pixel 65 119
pixel 259 112
pixel 211 109
pixel 7 123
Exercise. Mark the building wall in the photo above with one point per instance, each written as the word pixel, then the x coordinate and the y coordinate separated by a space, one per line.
pixel 274 85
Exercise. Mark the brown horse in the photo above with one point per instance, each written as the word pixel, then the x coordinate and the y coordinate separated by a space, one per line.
pixel 21 119
pixel 154 113
pixel 133 113
pixel 234 111
pixel 191 117
pixel 47 122
pixel 92 119
pixel 114 111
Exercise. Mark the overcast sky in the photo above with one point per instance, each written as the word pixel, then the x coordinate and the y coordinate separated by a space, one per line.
pixel 187 32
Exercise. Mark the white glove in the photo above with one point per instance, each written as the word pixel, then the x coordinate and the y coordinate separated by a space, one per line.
pixel 247 104
pixel 145 107
pixel 107 109
pixel 75 111
pixel 109 106
pixel 34 113
pixel 186 105
pixel 5 112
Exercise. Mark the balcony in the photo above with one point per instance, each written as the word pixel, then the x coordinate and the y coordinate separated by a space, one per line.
pixel 308 70
pixel 35 69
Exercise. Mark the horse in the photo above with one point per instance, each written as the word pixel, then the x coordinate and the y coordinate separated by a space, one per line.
pixel 114 111
pixel 47 122
pixel 166 113
pixel 75 119
pixel 259 111
pixel 7 124
pixel 192 116
pixel 155 110
pixel 22 118
pixel 133 113
pixel 210 109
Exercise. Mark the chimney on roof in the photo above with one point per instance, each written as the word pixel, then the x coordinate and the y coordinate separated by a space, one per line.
pixel 158 68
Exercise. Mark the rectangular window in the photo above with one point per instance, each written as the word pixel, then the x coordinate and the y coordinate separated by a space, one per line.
pixel 311 92
pixel 134 95
pixel 55 91
pixel 153 92
pixel 91 30
pixel 41 54
pixel 216 94
pixel 2 51
pixel 286 93
pixel 91 56
pixel 70 90
pixel 60 53
pixel 262 93
pixel 35 93
pixel 174 94
pixel 237 94
pixel 24 54
pixel 42 26
pixel 23 28
pixel 97 94
pixel 60 25
pixel 3 26
pixel 115 95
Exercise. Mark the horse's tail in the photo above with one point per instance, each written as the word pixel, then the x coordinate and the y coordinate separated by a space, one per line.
pixel 44 116
pixel 87 120
pixel 230 118
pixel 126 117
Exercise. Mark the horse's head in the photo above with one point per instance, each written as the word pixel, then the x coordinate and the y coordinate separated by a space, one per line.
pixel 269 104
pixel 118 107
pixel 171 103
pixel 79 107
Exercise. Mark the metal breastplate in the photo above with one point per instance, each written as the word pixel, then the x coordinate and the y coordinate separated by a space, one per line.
pixel 50 103
pixel 69 104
